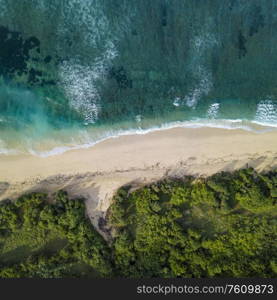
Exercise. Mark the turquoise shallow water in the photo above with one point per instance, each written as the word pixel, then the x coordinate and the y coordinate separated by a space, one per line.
pixel 75 72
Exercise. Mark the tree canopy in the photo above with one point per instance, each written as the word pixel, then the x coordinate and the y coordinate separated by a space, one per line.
pixel 221 226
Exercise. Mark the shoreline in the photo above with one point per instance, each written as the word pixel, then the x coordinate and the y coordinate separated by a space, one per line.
pixel 43 150
pixel 96 173
pixel 192 143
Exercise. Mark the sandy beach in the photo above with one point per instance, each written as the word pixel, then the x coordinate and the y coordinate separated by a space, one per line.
pixel 97 172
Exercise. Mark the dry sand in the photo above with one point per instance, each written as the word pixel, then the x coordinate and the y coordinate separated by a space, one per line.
pixel 97 172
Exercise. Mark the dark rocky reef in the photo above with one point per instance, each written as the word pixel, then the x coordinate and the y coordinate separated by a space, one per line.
pixel 17 54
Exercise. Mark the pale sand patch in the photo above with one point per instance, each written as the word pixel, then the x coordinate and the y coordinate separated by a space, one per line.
pixel 96 173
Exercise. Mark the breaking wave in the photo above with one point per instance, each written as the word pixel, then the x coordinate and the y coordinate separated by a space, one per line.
pixel 87 138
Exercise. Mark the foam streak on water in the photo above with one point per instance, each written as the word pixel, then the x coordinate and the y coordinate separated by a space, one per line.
pixel 87 138
pixel 266 112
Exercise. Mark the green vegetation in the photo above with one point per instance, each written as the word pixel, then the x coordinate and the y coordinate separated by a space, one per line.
pixel 221 226
pixel 224 225
pixel 39 239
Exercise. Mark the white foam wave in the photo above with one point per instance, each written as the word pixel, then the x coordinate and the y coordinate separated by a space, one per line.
pixel 213 110
pixel 87 21
pixel 86 18
pixel 266 112
pixel 203 87
pixel 80 83
pixel 138 118
pixel 4 150
pixel 177 101
pixel 265 124
pixel 200 123
pixel 200 71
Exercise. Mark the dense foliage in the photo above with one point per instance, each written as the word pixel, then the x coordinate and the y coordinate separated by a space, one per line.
pixel 39 239
pixel 224 225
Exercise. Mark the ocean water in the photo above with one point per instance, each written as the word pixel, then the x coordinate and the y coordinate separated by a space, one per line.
pixel 74 73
